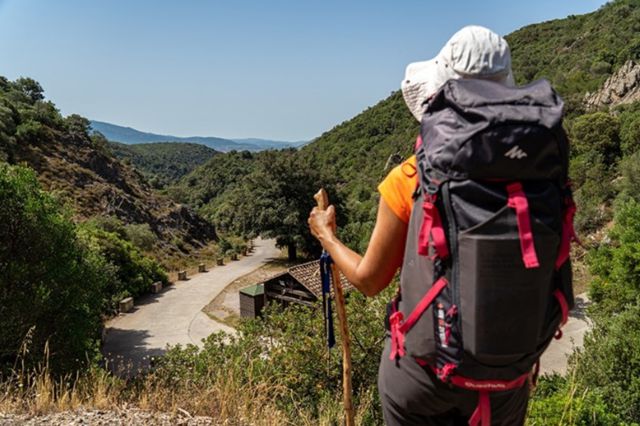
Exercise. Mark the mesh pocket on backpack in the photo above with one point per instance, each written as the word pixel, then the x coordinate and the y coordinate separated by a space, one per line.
pixel 503 304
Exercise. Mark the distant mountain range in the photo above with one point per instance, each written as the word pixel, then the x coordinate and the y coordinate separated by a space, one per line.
pixel 130 136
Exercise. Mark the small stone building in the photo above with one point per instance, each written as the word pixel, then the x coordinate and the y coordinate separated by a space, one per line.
pixel 300 284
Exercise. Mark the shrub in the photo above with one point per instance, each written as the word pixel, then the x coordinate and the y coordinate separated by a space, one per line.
pixel 630 182
pixel 31 132
pixel 615 265
pixel 132 272
pixel 596 134
pixel 224 245
pixel 629 128
pixel 593 193
pixel 609 364
pixel 286 350
pixel 50 283
pixel 141 236
pixel 560 401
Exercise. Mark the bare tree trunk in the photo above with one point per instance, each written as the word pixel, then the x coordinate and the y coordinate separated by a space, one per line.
pixel 291 250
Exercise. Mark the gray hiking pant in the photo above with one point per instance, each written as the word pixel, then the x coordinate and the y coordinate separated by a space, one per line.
pixel 413 396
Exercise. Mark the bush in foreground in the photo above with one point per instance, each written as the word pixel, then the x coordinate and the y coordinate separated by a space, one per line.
pixel 50 283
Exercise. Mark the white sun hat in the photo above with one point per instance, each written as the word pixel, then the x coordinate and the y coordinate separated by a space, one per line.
pixel 472 52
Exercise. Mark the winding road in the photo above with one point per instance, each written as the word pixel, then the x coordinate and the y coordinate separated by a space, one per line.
pixel 175 315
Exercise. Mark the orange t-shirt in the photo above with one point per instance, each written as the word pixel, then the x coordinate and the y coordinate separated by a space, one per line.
pixel 398 187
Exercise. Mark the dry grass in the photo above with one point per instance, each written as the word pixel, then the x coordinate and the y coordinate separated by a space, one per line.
pixel 225 396
pixel 225 399
pixel 38 393
pixel 206 255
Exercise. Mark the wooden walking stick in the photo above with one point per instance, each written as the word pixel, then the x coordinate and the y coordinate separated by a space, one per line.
pixel 322 200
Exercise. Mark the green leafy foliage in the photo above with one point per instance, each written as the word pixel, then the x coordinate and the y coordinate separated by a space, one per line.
pixel 629 116
pixel 609 364
pixel 50 282
pixel 578 53
pixel 268 193
pixel 78 167
pixel 616 265
pixel 287 349
pixel 560 401
pixel 141 236
pixel 630 178
pixel 163 162
pixel 603 386
pixel 132 273
pixel 596 134
pixel 220 174
pixel 271 193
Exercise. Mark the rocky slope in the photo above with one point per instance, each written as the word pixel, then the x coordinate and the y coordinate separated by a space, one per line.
pixel 623 87
pixel 81 170
pixel 94 183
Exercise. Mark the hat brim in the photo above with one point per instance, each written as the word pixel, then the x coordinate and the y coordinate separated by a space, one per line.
pixel 423 80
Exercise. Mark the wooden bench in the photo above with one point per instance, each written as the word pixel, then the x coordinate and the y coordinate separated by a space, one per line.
pixel 156 287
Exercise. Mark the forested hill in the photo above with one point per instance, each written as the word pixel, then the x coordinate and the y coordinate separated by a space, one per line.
pixel 80 169
pixel 130 136
pixel 163 162
pixel 577 54
pixel 272 195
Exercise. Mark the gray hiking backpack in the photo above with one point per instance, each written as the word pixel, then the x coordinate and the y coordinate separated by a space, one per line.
pixel 486 278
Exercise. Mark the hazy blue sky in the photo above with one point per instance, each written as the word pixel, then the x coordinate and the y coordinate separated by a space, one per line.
pixel 281 69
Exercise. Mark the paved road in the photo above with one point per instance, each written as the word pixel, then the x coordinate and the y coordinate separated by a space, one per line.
pixel 175 316
pixel 555 357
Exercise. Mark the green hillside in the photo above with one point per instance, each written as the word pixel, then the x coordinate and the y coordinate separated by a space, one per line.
pixel 163 162
pixel 78 167
pixel 571 52
pixel 67 262
pixel 578 53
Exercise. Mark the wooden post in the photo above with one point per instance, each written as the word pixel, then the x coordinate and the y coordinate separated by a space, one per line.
pixel 156 287
pixel 202 268
pixel 220 261
pixel 322 200
pixel 182 275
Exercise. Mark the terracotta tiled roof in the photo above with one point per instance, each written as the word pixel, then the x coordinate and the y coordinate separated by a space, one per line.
pixel 308 274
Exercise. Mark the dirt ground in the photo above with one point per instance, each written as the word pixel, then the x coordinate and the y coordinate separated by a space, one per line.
pixel 225 308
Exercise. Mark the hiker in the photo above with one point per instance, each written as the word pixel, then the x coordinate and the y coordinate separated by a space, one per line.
pixel 412 389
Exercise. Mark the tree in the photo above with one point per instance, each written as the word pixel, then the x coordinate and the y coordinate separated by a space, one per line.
pixel 630 129
pixel 30 89
pixel 77 128
pixel 275 200
pixel 8 122
pixel 50 283
pixel 597 134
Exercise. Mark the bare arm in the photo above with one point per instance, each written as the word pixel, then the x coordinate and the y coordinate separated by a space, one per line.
pixel 373 272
